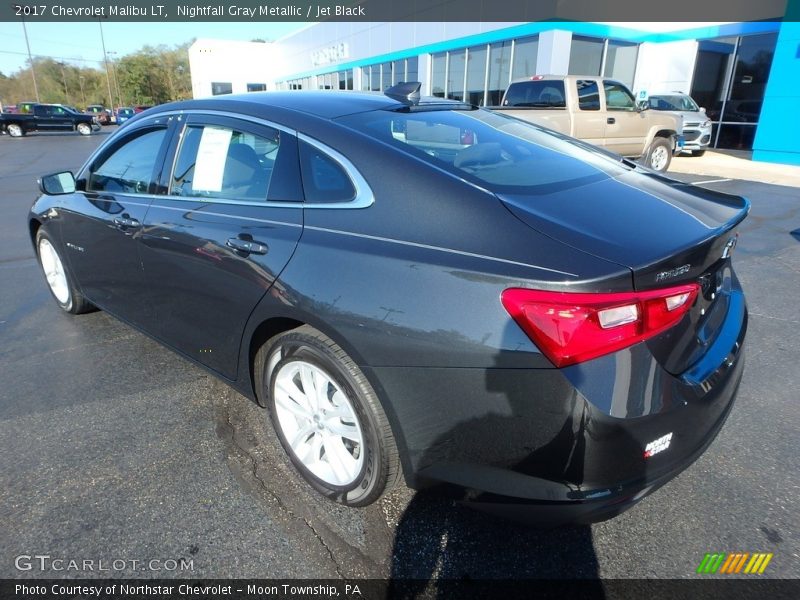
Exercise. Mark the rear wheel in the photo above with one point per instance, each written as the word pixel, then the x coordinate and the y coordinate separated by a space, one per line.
pixel 58 277
pixel 659 155
pixel 84 128
pixel 327 417
pixel 15 130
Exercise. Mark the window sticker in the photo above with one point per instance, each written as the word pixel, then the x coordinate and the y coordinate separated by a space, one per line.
pixel 211 156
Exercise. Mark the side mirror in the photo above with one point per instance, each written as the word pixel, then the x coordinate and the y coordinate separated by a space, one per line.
pixel 57 183
pixel 643 105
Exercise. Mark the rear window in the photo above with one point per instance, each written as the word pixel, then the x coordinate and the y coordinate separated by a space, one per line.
pixel 493 150
pixel 539 94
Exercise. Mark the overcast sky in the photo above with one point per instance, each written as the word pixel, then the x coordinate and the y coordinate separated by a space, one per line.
pixel 79 43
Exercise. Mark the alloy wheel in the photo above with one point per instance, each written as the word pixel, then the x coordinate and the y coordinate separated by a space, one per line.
pixel 319 423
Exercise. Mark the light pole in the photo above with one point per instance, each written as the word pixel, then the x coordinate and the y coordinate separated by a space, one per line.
pixel 83 94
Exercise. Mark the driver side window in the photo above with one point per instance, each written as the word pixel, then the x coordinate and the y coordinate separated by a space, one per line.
pixel 129 168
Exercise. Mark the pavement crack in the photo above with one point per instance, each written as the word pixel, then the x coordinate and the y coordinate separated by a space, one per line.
pixel 793 321
pixel 281 505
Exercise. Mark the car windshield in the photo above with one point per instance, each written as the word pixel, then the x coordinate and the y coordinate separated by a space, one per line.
pixel 673 102
pixel 126 112
pixel 494 151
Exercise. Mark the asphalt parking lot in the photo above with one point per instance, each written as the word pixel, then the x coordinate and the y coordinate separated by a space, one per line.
pixel 114 448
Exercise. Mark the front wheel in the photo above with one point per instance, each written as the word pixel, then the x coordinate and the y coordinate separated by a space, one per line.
pixel 84 129
pixel 327 417
pixel 659 155
pixel 15 130
pixel 59 280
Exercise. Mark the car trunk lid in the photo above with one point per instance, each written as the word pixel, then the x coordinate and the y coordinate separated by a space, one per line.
pixel 666 232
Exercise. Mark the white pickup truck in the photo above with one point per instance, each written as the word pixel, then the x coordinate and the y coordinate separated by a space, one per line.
pixel 597 110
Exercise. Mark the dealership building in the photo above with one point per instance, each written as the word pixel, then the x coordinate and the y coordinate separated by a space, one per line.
pixel 743 74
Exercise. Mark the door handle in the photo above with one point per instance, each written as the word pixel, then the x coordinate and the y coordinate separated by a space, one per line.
pixel 247 246
pixel 611 120
pixel 126 223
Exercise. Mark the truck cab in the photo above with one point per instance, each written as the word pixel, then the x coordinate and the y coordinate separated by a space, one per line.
pixel 597 110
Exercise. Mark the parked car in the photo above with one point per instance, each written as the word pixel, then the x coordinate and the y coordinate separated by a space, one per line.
pixel 417 288
pixel 696 124
pixel 10 109
pixel 123 114
pixel 100 113
pixel 46 117
pixel 141 108
pixel 598 110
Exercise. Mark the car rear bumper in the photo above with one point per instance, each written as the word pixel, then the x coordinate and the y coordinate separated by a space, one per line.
pixel 552 446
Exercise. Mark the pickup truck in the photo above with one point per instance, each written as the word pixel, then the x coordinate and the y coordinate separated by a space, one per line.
pixel 47 117
pixel 597 110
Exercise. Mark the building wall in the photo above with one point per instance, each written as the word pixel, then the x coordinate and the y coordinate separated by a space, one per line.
pixel 237 63
pixel 778 135
pixel 665 67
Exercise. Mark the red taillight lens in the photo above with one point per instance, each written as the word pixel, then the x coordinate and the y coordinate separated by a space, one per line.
pixel 571 328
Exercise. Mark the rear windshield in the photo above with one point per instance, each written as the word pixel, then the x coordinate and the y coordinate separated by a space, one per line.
pixel 541 94
pixel 493 150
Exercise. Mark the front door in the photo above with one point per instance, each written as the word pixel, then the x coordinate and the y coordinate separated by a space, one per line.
pixel 101 235
pixel 217 241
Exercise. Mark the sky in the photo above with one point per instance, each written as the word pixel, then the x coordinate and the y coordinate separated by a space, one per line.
pixel 79 43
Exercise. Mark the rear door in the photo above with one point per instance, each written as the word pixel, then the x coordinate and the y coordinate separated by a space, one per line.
pixel 217 239
pixel 589 120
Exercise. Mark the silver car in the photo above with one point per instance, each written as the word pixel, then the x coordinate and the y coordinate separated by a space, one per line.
pixel 696 124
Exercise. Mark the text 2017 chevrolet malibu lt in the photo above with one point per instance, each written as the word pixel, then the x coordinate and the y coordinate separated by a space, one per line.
pixel 417 289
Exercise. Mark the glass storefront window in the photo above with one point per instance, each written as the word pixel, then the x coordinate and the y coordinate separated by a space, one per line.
pixel 386 76
pixel 476 75
pixel 438 73
pixel 499 68
pixel 586 56
pixel 412 69
pixel 621 61
pixel 455 74
pixel 525 52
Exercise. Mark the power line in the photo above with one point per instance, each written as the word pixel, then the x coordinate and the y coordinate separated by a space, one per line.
pixel 75 58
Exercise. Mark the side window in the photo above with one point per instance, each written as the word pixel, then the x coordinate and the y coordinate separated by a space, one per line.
pixel 588 95
pixel 220 162
pixel 618 97
pixel 324 179
pixel 129 168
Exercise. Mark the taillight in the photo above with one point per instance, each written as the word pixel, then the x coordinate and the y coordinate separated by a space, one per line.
pixel 573 327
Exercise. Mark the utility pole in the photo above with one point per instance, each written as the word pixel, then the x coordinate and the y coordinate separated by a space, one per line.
pixel 116 81
pixel 64 77
pixel 105 61
pixel 30 59
pixel 83 94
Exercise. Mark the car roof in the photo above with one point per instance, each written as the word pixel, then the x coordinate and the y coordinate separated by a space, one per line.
pixel 328 104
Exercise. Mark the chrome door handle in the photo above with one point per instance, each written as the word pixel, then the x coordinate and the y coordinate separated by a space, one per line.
pixel 247 246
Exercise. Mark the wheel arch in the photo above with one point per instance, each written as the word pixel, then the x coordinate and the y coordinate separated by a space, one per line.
pixel 265 327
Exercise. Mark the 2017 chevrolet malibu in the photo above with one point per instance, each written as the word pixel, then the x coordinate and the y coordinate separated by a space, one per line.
pixel 417 289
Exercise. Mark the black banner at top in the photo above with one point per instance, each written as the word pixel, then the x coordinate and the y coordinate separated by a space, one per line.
pixel 393 10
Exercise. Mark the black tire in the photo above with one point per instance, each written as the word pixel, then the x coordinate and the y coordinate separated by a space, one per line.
pixel 698 152
pixel 659 155
pixel 84 128
pixel 15 130
pixel 74 303
pixel 380 470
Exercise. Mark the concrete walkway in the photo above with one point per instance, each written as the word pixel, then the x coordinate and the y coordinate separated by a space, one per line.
pixel 732 164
